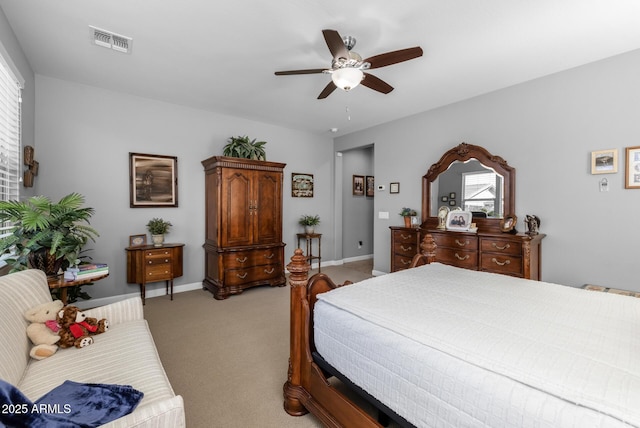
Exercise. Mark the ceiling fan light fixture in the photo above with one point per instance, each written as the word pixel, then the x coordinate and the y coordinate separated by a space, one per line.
pixel 347 78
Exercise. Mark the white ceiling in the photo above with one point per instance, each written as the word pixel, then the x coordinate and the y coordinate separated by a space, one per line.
pixel 221 56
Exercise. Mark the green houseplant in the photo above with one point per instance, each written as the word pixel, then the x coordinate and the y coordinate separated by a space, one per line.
pixel 243 147
pixel 407 213
pixel 309 221
pixel 46 235
pixel 158 228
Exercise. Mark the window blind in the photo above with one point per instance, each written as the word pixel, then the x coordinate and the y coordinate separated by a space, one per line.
pixel 10 138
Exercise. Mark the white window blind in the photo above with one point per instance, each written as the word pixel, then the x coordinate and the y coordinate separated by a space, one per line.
pixel 10 137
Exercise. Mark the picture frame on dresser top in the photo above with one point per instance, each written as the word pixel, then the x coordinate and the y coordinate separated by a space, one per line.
pixel 459 220
pixel 632 168
pixel 137 240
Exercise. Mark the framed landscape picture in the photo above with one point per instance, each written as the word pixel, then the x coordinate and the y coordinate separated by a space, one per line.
pixel 604 161
pixel 153 180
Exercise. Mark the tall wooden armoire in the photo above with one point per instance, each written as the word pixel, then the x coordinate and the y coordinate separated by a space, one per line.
pixel 243 245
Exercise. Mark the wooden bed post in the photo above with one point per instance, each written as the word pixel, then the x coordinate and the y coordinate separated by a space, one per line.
pixel 428 253
pixel 293 389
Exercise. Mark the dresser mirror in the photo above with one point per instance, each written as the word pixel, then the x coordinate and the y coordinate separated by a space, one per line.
pixel 470 178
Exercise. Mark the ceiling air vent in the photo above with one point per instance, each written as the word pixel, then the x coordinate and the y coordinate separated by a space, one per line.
pixel 108 39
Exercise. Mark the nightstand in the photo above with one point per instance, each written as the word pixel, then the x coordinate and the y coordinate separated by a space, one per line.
pixel 148 263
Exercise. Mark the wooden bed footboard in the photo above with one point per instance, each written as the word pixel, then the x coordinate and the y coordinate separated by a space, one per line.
pixel 307 388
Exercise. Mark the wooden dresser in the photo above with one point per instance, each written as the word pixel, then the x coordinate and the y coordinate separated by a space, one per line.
pixel 504 253
pixel 243 236
pixel 148 263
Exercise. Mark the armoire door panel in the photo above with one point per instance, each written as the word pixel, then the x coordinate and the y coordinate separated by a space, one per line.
pixel 236 203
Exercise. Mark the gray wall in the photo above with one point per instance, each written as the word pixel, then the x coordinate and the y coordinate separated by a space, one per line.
pixel 84 136
pixel 357 211
pixel 546 129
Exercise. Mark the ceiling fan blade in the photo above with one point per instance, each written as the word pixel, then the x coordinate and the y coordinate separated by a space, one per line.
pixel 375 83
pixel 335 44
pixel 308 71
pixel 394 57
pixel 327 90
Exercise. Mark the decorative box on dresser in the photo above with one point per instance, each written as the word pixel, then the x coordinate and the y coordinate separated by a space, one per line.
pixel 243 239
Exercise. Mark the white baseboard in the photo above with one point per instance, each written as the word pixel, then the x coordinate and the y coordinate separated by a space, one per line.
pixel 91 303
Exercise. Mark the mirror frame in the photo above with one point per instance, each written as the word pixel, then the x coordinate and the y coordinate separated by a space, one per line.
pixel 463 152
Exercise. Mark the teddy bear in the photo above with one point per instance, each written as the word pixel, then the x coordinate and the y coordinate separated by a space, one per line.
pixel 76 328
pixel 43 330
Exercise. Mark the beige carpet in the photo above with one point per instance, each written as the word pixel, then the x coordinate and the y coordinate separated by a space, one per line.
pixel 228 359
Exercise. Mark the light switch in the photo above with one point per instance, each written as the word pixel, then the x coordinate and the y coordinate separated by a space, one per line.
pixel 383 215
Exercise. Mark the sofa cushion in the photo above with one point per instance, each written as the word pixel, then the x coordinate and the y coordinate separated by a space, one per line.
pixel 18 292
pixel 124 355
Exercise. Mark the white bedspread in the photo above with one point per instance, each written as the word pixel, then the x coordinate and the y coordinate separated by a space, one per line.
pixel 577 346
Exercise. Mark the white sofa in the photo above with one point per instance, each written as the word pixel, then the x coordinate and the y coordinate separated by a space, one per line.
pixel 125 354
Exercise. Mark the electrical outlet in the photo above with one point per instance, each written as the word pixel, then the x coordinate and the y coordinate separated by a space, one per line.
pixel 359 244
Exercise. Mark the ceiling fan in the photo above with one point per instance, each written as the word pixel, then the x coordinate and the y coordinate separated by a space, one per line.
pixel 347 66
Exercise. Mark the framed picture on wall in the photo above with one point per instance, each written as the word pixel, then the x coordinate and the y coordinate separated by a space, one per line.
pixel 370 185
pixel 632 168
pixel 301 185
pixel 153 180
pixel 358 185
pixel 394 187
pixel 604 161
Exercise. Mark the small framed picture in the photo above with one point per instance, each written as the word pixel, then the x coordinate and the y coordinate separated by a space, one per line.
pixel 604 161
pixel 370 185
pixel 452 195
pixel 444 198
pixel 632 168
pixel 394 187
pixel 459 220
pixel 452 202
pixel 508 224
pixel 358 185
pixel 137 240
pixel 301 185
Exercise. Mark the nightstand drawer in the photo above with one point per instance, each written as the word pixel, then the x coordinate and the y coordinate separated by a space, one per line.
pixel 158 272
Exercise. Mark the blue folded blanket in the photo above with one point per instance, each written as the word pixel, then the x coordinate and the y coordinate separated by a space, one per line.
pixel 70 405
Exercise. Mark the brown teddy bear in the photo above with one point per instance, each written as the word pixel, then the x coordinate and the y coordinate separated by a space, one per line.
pixel 76 328
pixel 43 330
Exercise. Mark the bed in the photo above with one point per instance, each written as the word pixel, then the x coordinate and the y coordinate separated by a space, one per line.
pixel 441 346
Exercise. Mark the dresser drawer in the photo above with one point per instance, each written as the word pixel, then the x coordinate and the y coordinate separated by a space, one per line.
pixel 500 246
pixel 462 258
pixel 252 274
pixel 456 240
pixel 246 259
pixel 504 264
pixel 407 249
pixel 405 236
pixel 401 262
pixel 157 253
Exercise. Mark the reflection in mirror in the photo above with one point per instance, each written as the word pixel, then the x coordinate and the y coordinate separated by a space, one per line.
pixel 471 186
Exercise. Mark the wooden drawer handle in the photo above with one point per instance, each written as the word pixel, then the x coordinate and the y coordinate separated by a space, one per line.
pixel 461 243
pixel 506 262
pixel 500 248
pixel 403 236
pixel 151 273
pixel 243 276
pixel 241 260
pixel 270 271
pixel 270 256
pixel 466 256
pixel 409 248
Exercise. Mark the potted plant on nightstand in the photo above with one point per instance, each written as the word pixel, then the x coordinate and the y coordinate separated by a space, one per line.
pixel 309 222
pixel 45 235
pixel 158 228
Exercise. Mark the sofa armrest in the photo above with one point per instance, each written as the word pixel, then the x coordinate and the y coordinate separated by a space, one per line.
pixel 119 312
pixel 165 413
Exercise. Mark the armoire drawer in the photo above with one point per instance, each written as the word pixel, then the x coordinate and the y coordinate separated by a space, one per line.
pixel 252 274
